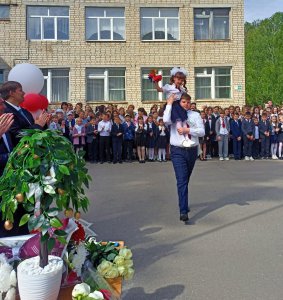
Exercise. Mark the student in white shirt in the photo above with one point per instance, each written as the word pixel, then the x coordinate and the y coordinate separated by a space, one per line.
pixel 183 157
pixel 104 129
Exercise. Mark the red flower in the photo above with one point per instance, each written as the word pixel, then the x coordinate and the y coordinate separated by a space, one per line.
pixel 79 235
pixel 106 294
pixel 72 277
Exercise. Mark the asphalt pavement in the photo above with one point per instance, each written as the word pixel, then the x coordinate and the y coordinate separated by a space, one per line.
pixel 232 248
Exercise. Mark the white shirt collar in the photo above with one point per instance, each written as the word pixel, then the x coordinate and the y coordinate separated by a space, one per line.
pixel 15 107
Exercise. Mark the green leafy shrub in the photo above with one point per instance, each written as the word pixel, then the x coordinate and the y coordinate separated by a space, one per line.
pixel 46 176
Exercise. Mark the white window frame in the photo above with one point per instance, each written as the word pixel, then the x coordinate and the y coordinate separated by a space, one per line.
pixel 105 77
pixel 160 83
pixel 49 82
pixel 165 22
pixel 210 23
pixel 111 24
pixel 55 20
pixel 212 78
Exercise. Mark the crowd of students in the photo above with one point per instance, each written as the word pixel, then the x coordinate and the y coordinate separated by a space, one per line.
pixel 112 134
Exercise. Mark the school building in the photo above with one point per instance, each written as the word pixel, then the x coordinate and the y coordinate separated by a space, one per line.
pixel 101 52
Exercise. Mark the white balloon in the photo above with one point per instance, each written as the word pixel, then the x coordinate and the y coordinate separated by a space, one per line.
pixel 29 76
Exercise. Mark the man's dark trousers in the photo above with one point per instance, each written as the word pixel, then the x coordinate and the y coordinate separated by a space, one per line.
pixel 183 160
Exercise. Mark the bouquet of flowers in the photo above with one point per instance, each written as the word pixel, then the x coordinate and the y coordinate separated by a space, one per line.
pixel 76 254
pixel 109 261
pixel 154 77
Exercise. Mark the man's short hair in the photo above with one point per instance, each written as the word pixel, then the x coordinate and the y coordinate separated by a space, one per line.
pixel 8 87
pixel 186 96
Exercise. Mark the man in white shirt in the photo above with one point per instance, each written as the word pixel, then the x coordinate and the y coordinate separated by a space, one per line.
pixel 104 129
pixel 184 158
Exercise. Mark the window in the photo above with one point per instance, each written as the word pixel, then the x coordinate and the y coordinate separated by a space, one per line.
pixel 105 24
pixel 56 84
pixel 213 83
pixel 48 23
pixel 105 84
pixel 160 24
pixel 149 93
pixel 211 24
pixel 4 12
pixel 1 76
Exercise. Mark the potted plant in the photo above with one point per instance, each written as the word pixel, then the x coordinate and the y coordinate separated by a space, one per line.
pixel 45 176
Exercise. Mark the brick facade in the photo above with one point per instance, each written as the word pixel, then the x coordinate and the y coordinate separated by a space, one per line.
pixel 133 54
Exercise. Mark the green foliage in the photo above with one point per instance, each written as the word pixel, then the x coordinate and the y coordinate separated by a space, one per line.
pixel 49 175
pixel 101 251
pixel 264 60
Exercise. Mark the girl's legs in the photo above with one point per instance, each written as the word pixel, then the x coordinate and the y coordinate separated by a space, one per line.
pixel 163 153
pixel 280 150
pixel 274 150
pixel 204 151
pixel 143 153
pixel 159 154
pixel 201 155
pixel 139 152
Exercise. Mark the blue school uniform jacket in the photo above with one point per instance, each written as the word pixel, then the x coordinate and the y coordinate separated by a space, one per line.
pixel 236 129
pixel 129 131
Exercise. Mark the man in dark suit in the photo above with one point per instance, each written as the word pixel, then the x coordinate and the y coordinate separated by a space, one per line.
pixel 236 130
pixel 6 147
pixel 13 95
pixel 6 120
pixel 212 146
pixel 117 140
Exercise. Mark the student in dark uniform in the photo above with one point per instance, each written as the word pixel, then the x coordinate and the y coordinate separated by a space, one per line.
pixel 117 139
pixel 141 131
pixel 162 140
pixel 211 146
pixel 151 137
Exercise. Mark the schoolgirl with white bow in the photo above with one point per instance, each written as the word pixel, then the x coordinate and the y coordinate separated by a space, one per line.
pixel 79 133
pixel 162 138
pixel 177 87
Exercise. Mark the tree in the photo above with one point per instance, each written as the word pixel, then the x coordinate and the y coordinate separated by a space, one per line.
pixel 46 176
pixel 264 60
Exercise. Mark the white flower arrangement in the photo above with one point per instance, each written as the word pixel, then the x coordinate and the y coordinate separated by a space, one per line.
pixel 79 258
pixel 82 291
pixel 8 280
pixel 76 258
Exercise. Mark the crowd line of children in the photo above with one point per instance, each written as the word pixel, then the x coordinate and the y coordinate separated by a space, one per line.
pixel 109 134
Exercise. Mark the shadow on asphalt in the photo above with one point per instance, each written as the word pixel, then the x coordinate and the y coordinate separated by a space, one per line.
pixel 238 198
pixel 165 293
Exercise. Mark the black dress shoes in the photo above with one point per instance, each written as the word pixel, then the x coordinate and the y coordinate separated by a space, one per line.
pixel 184 217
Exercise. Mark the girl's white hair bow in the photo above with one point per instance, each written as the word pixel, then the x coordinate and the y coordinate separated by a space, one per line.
pixel 176 70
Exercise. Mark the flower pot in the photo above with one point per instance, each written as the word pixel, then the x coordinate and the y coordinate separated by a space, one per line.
pixel 40 284
pixel 116 285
